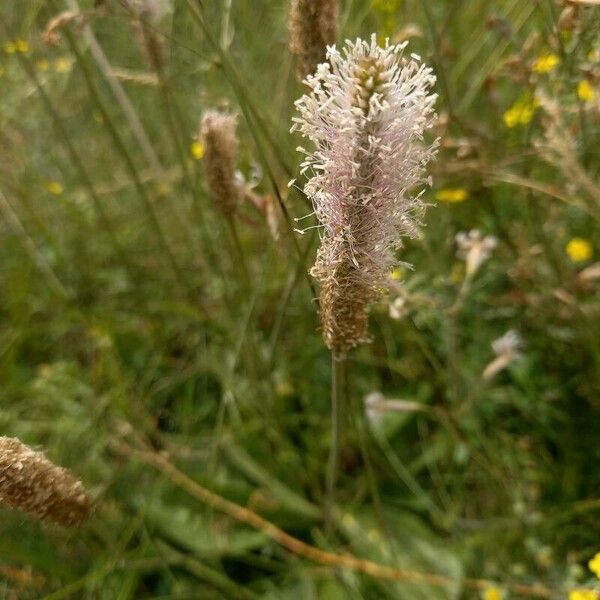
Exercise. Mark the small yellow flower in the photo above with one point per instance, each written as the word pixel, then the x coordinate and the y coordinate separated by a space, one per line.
pixel 452 195
pixel 545 63
pixel 594 564
pixel 492 593
pixel 197 150
pixel 521 112
pixel 10 48
pixel 579 250
pixel 396 274
pixel 582 594
pixel 585 91
pixel 42 64
pixel 63 64
pixel 22 46
pixel 54 187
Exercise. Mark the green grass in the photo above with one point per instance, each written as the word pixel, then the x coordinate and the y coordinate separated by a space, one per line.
pixel 128 318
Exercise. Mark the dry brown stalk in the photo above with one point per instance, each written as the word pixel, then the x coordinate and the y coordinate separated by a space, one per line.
pixel 322 557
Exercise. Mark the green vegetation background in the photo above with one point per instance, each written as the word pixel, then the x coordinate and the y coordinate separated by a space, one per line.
pixel 132 316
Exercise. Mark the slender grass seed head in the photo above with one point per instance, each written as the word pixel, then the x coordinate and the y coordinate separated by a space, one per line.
pixel 313 27
pixel 219 140
pixel 366 115
pixel 31 483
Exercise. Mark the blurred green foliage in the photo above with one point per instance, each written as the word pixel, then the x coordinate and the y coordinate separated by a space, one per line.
pixel 128 312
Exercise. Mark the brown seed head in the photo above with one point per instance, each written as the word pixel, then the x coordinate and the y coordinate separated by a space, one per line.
pixel 344 298
pixel 313 26
pixel 30 482
pixel 217 133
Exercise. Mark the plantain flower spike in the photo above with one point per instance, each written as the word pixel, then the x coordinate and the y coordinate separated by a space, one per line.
pixel 313 26
pixel 31 483
pixel 218 136
pixel 366 114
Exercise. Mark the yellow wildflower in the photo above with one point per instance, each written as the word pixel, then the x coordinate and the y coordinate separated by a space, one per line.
pixel 10 47
pixel 585 91
pixel 582 594
pixel 63 64
pixel 594 564
pixel 197 150
pixel 521 112
pixel 452 195
pixel 42 64
pixel 545 63
pixel 579 250
pixel 492 593
pixel 22 46
pixel 396 274
pixel 54 187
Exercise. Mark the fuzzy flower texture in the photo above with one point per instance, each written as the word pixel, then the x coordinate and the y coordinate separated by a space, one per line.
pixel 366 114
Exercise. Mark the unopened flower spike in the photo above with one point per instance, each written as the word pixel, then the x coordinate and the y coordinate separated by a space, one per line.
pixel 313 26
pixel 31 483
pixel 220 150
pixel 366 114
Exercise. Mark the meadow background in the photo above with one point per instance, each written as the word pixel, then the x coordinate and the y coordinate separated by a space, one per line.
pixel 136 322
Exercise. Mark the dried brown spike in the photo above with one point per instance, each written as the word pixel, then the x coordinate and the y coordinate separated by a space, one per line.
pixel 217 133
pixel 313 26
pixel 344 299
pixel 30 482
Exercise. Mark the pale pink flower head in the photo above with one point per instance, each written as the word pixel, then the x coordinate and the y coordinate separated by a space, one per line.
pixel 366 115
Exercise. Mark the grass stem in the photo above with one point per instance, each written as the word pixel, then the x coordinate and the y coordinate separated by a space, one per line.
pixel 338 364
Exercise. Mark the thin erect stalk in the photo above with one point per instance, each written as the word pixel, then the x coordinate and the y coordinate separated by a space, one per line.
pixel 136 126
pixel 254 361
pixel 36 256
pixel 130 165
pixel 286 296
pixel 78 164
pixel 338 364
pixel 254 119
pixel 233 77
pixel 240 257
pixel 131 116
